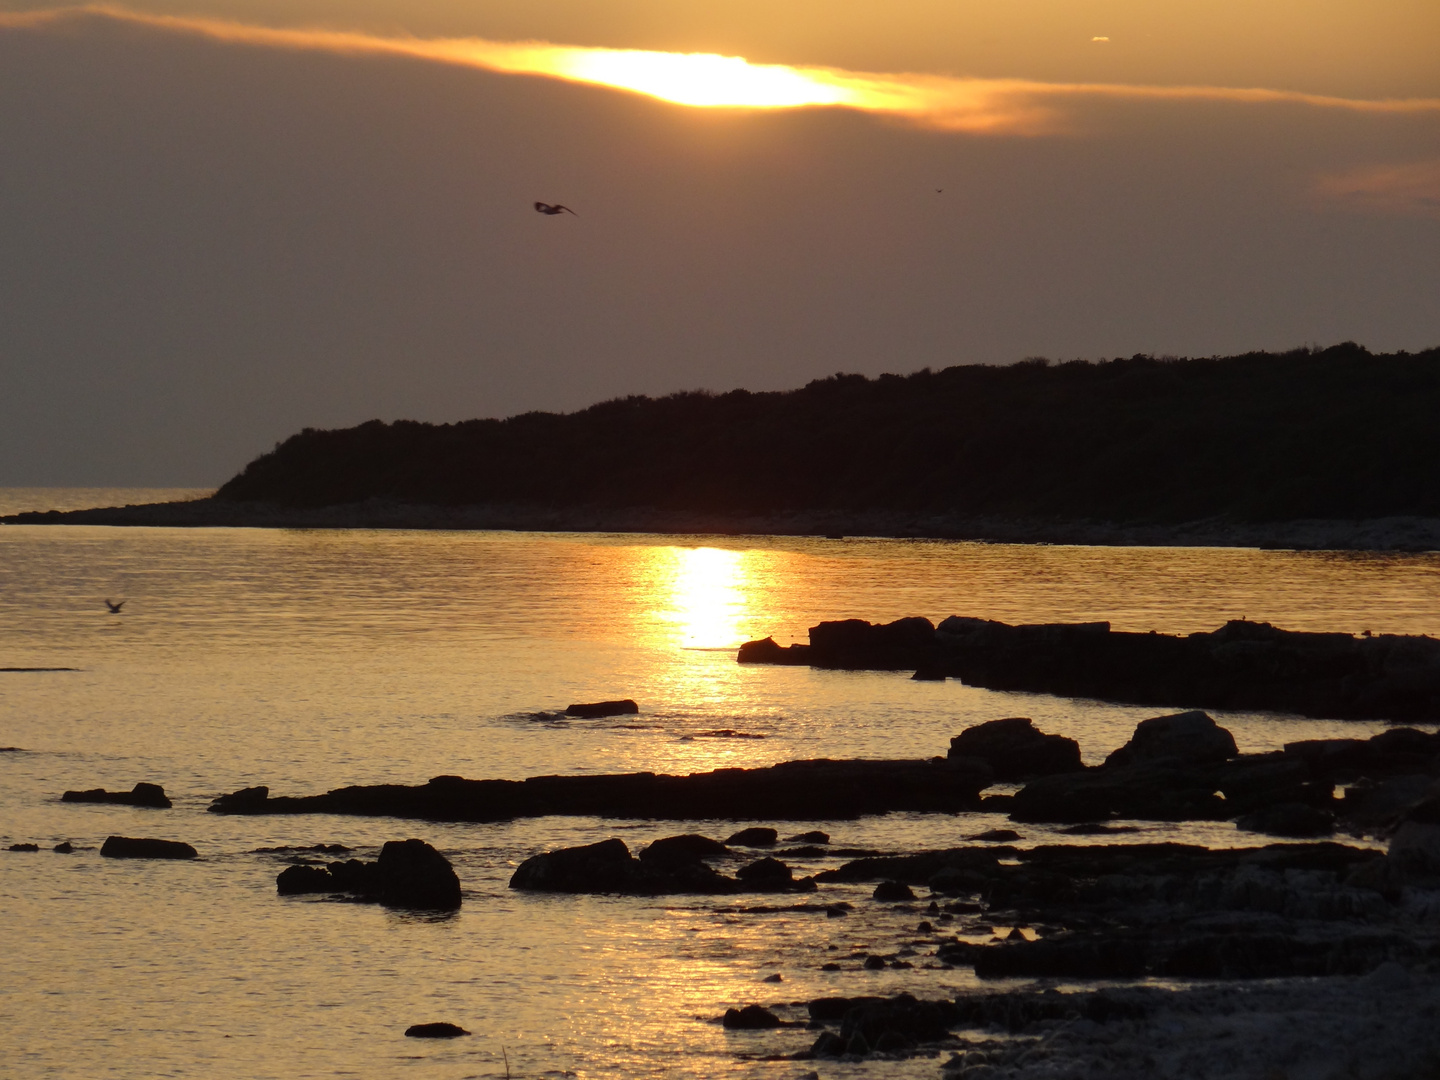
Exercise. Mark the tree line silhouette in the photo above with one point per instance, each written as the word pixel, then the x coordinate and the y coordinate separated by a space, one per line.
pixel 1336 433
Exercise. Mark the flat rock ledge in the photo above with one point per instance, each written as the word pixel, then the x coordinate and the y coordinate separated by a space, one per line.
pixel 151 796
pixel 818 790
pixel 1242 665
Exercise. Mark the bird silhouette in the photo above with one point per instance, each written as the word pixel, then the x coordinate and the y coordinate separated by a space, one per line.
pixel 553 208
pixel 114 608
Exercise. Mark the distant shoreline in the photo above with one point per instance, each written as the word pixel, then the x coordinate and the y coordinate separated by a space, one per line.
pixel 1396 534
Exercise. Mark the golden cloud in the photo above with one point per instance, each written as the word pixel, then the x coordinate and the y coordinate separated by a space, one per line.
pixel 707 80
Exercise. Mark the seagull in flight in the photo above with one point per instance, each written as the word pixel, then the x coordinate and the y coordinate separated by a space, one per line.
pixel 114 608
pixel 553 208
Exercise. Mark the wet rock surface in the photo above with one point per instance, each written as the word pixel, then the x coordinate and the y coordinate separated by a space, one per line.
pixel 408 874
pixel 671 865
pixel 594 710
pixel 439 1030
pixel 1242 665
pixel 142 794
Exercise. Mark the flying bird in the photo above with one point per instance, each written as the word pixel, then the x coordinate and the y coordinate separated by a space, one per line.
pixel 114 608
pixel 553 208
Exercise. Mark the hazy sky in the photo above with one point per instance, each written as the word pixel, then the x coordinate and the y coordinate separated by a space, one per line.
pixel 225 220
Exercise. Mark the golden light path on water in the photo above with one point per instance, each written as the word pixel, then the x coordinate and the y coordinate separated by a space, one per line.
pixel 709 80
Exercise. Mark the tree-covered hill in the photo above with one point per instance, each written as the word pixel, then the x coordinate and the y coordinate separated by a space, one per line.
pixel 1333 433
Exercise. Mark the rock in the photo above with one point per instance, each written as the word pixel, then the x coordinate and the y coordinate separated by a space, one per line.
pixel 129 847
pixel 24 847
pixel 893 891
pixel 753 837
pixel 1288 819
pixel 995 836
pixel 608 867
pixel 855 645
pixel 768 651
pixel 874 963
pixel 412 874
pixel 775 978
pixel 439 1030
pixel 828 1044
pixel 1390 977
pixel 1144 792
pixel 750 1018
pixel 1370 803
pixel 250 800
pixel 688 848
pixel 300 880
pixel 766 874
pixel 64 847
pixel 1016 750
pixel 1415 845
pixel 142 794
pixel 1179 739
pixel 596 709
pixel 813 837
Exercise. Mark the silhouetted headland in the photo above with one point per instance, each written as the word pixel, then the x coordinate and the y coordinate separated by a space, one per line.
pixel 1309 449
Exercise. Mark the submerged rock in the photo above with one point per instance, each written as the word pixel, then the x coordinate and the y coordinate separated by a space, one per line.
pixel 595 709
pixel 142 794
pixel 130 847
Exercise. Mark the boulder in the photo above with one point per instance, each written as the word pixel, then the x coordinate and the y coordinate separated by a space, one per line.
pixel 765 874
pixel 1288 819
pixel 142 794
pixel 440 1030
pixel 1145 793
pixel 687 848
pixel 64 847
pixel 890 892
pixel 595 709
pixel 750 1018
pixel 995 836
pixel 1181 739
pixel 608 867
pixel 854 644
pixel 412 874
pixel 24 847
pixel 815 836
pixel 130 847
pixel 1016 750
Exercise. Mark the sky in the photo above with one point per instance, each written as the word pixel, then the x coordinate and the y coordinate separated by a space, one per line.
pixel 222 221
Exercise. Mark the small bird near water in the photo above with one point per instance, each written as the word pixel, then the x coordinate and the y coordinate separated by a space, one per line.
pixel 114 608
pixel 553 208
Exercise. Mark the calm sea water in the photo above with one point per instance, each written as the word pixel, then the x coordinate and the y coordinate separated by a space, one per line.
pixel 310 659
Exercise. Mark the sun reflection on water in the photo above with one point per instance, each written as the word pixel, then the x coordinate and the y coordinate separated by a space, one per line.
pixel 706 597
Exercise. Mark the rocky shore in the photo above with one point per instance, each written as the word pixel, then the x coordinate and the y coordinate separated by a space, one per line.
pixel 1242 665
pixel 1398 533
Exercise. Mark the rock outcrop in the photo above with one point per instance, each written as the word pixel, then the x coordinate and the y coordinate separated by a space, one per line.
pixel 142 794
pixel 133 847
pixel 1242 665
pixel 1016 749
pixel 596 709
pixel 408 874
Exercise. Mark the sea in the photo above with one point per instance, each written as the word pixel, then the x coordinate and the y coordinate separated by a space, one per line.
pixel 305 660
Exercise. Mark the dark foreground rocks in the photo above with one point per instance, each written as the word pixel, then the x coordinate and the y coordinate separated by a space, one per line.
pixel 1015 749
pixel 132 847
pixel 794 791
pixel 1242 665
pixel 674 864
pixel 142 794
pixel 408 874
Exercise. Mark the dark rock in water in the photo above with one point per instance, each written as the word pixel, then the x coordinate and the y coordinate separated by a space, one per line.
pixel 1017 750
pixel 129 847
pixel 874 963
pixel 1372 803
pixel 792 791
pixel 142 794
pixel 892 892
pixel 687 848
pixel 755 838
pixel 853 644
pixel 750 1018
pixel 767 651
pixel 608 867
pixel 828 1044
pixel 766 873
pixel 1188 738
pixel 413 874
pixel 1147 793
pixel 1094 829
pixel 929 674
pixel 409 874
pixel 996 836
pixel 64 847
pixel 596 709
pixel 439 1030
pixel 1288 819
pixel 813 837
pixel 775 978
pixel 24 847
